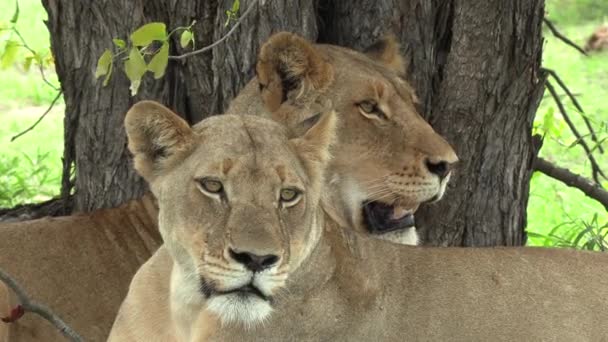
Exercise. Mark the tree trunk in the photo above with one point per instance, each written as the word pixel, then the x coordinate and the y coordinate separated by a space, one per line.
pixel 475 65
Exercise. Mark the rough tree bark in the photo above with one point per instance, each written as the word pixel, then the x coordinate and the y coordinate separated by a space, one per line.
pixel 475 65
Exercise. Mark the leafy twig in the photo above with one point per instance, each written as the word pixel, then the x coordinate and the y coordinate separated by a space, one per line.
pixel 41 67
pixel 561 37
pixel 571 179
pixel 209 47
pixel 595 168
pixel 40 118
pixel 29 306
pixel 577 105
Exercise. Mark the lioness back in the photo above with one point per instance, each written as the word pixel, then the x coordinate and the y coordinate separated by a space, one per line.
pixel 4 310
pixel 77 266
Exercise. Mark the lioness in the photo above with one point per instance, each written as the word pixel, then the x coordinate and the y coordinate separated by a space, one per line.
pixel 247 245
pixel 387 161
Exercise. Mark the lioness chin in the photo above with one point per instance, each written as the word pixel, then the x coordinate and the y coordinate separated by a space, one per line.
pixel 249 254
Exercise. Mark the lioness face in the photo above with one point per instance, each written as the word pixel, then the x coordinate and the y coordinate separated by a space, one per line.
pixel 237 200
pixel 387 160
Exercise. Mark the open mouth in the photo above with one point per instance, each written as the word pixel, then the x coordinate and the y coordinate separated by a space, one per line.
pixel 382 218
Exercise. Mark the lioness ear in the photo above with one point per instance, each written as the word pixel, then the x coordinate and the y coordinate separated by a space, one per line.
pixel 288 64
pixel 386 51
pixel 157 137
pixel 313 147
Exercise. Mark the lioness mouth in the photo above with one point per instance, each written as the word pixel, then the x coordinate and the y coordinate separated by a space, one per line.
pixel 247 290
pixel 382 218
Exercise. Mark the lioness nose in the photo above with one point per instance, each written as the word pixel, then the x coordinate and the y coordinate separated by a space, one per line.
pixel 440 168
pixel 254 262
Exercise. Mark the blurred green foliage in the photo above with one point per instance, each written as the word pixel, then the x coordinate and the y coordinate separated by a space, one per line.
pixel 556 212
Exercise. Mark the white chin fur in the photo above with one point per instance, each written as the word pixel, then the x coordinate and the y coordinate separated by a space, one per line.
pixel 248 310
pixel 442 186
pixel 407 236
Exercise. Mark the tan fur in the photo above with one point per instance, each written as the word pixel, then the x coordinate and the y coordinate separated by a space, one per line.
pixel 598 41
pixel 386 51
pixel 331 283
pixel 5 309
pixel 326 77
pixel 258 222
pixel 175 138
pixel 374 159
pixel 78 266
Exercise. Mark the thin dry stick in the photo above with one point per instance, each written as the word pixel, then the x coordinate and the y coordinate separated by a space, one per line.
pixel 561 37
pixel 595 168
pixel 571 179
pixel 40 118
pixel 41 67
pixel 209 47
pixel 40 310
pixel 578 107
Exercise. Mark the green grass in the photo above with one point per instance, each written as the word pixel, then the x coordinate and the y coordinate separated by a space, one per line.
pixel 557 213
pixel 575 12
pixel 18 86
pixel 30 167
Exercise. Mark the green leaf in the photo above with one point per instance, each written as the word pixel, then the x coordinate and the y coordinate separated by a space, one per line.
pixel 49 60
pixel 107 79
pixel 10 54
pixel 134 87
pixel 104 63
pixel 16 14
pixel 231 14
pixel 28 63
pixel 121 44
pixel 158 64
pixel 39 58
pixel 149 33
pixel 235 6
pixel 185 38
pixel 228 17
pixel 548 121
pixel 135 68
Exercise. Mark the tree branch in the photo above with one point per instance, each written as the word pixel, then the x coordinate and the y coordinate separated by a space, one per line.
pixel 561 37
pixel 577 105
pixel 40 118
pixel 28 306
pixel 209 47
pixel 595 168
pixel 41 67
pixel 571 179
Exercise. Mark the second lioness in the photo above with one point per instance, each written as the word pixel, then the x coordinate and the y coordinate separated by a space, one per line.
pixel 387 160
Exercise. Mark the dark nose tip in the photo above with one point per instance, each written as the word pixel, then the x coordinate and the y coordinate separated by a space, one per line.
pixel 254 262
pixel 441 168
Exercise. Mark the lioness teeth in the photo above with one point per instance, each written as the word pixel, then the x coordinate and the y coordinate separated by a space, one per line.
pixel 400 212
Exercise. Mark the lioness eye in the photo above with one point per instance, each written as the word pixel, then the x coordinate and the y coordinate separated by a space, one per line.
pixel 212 185
pixel 370 108
pixel 289 196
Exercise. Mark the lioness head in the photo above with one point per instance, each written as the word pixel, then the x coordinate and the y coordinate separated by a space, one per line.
pixel 387 160
pixel 238 202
